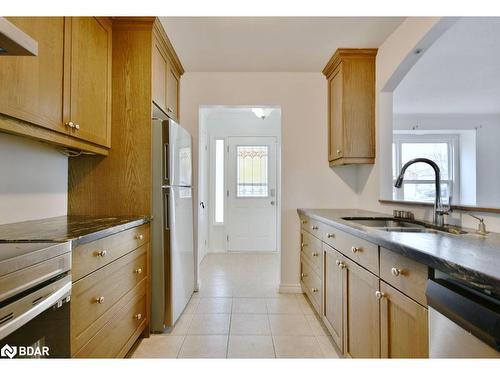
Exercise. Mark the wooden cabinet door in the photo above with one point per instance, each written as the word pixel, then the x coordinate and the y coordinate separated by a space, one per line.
pixel 159 78
pixel 361 312
pixel 332 315
pixel 32 87
pixel 90 79
pixel 403 325
pixel 172 93
pixel 336 131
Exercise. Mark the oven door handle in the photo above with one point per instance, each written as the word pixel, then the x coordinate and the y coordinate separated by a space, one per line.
pixel 12 325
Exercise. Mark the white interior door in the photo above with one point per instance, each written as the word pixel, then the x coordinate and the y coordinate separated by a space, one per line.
pixel 251 194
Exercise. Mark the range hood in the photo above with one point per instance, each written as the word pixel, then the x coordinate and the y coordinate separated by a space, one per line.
pixel 15 42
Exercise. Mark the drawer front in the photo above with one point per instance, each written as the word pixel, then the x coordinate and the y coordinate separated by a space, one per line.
pixel 311 284
pixel 311 248
pixel 95 294
pixel 404 274
pixel 93 255
pixel 311 226
pixel 117 336
pixel 362 252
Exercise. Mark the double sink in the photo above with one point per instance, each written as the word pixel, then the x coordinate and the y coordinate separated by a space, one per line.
pixel 389 224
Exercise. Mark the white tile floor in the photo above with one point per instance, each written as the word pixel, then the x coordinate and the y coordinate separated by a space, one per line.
pixel 239 313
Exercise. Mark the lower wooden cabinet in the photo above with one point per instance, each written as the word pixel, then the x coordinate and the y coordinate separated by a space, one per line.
pixel 109 305
pixel 361 311
pixel 333 295
pixel 403 325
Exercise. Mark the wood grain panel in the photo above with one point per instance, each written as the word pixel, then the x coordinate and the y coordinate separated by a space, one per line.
pixel 312 250
pixel 403 327
pixel 311 284
pixel 172 92
pixel 333 297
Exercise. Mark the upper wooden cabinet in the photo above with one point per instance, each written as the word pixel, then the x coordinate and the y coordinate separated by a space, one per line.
pixel 166 74
pixel 351 106
pixel 66 89
pixel 90 79
pixel 33 86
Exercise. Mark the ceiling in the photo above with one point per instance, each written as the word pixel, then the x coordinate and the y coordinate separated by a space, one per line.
pixel 270 44
pixel 459 73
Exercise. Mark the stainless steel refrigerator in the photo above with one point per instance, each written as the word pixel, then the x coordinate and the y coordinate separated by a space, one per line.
pixel 172 253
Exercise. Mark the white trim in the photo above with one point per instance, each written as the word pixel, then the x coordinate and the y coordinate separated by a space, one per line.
pixel 290 288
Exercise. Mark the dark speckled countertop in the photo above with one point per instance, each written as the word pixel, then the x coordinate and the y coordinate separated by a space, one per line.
pixel 78 229
pixel 469 257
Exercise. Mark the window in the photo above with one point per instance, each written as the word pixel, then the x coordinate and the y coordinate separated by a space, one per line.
pixel 252 171
pixel 418 183
pixel 219 181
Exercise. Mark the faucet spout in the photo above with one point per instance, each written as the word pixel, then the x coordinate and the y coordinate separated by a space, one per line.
pixel 438 207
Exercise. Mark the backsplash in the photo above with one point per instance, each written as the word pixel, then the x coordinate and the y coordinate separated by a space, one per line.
pixel 33 180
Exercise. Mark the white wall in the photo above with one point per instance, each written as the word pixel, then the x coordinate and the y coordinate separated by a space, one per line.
pixel 307 180
pixel 33 180
pixel 395 57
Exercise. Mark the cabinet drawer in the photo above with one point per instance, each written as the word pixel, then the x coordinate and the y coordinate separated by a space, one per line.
pixel 311 226
pixel 362 252
pixel 116 337
pixel 404 274
pixel 311 284
pixel 311 248
pixel 97 293
pixel 93 255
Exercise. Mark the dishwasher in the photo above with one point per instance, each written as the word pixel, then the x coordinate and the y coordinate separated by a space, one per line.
pixel 464 321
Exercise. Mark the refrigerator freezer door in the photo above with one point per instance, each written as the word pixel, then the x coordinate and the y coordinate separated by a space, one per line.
pixel 181 249
pixel 180 155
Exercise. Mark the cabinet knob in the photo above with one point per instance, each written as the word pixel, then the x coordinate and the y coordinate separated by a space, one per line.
pixel 342 265
pixel 337 262
pixel 396 271
pixel 138 316
pixel 99 300
pixel 101 253
pixel 304 221
pixel 314 290
pixel 379 294
pixel 302 245
pixel 139 237
pixel 169 109
pixel 138 271
pixel 330 235
pixel 339 152
pixel 314 227
pixel 77 127
pixel 355 249
pixel 303 275
pixel 315 254
pixel 70 124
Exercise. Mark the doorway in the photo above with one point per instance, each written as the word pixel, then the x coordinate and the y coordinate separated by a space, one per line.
pixel 239 179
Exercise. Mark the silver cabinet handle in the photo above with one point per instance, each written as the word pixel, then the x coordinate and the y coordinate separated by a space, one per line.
pixel 330 235
pixel 303 245
pixel 169 109
pixel 139 237
pixel 315 254
pixel 339 152
pixel 379 294
pixel 138 271
pixel 337 262
pixel 314 227
pixel 101 253
pixel 77 127
pixel 314 290
pixel 396 271
pixel 355 249
pixel 99 300
pixel 70 124
pixel 303 275
pixel 138 316
pixel 342 265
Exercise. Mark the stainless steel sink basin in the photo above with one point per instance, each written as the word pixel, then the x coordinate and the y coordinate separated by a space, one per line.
pixel 389 224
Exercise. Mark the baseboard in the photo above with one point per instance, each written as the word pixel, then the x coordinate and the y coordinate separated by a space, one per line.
pixel 290 288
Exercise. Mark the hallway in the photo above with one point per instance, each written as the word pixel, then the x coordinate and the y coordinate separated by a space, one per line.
pixel 239 313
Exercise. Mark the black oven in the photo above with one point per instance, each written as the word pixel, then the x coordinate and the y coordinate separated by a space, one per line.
pixel 35 306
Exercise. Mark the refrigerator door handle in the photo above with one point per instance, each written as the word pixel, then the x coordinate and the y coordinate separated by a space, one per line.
pixel 165 163
pixel 166 208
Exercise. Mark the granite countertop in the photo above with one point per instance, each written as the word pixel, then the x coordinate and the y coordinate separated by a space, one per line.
pixel 78 229
pixel 469 257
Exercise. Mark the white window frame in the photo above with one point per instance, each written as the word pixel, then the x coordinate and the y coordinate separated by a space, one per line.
pixel 268 193
pixel 452 140
pixel 212 179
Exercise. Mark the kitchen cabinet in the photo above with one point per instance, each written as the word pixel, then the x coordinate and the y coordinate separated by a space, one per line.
pixel 110 297
pixel 361 313
pixel 165 79
pixel 403 325
pixel 33 86
pixel 351 106
pixel 89 116
pixel 333 295
pixel 63 95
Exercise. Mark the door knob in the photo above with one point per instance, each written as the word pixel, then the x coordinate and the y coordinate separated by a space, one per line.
pixel 273 203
